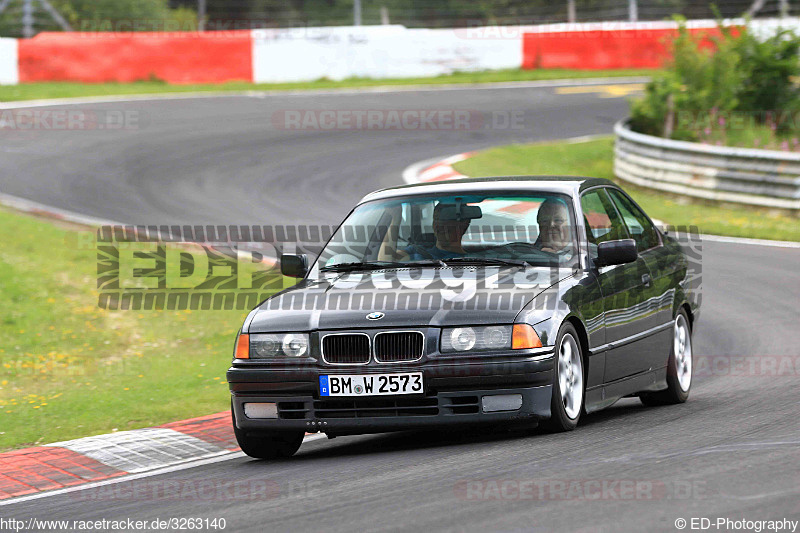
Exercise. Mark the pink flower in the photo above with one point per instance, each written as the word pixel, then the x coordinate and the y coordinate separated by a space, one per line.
pixel 785 145
pixel 707 131
pixel 721 121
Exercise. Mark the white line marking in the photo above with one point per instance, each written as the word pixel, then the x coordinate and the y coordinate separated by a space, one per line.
pixel 29 206
pixel 751 497
pixel 122 98
pixel 581 138
pixel 217 458
pixel 751 242
pixel 498 85
pixel 321 92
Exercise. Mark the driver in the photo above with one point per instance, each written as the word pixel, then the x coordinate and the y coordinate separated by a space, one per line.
pixel 447 234
pixel 554 228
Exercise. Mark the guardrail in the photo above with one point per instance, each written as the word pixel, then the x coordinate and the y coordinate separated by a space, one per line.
pixel 743 175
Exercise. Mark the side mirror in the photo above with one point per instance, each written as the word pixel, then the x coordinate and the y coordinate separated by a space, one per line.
pixel 616 252
pixel 294 266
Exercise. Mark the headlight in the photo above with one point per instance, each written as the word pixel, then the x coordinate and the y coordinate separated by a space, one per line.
pixel 476 339
pixel 265 345
pixel 295 345
pixel 461 339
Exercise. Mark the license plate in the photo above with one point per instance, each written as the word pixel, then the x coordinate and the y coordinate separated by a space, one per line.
pixel 370 384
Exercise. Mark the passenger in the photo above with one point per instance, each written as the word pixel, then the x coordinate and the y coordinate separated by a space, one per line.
pixel 554 227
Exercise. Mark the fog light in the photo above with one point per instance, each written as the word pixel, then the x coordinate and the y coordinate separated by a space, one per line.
pixel 501 402
pixel 261 410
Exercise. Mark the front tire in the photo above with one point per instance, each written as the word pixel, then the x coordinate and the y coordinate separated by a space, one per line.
pixel 267 444
pixel 566 404
pixel 679 366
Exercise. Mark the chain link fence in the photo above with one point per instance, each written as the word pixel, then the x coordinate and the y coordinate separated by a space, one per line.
pixel 19 18
pixel 454 14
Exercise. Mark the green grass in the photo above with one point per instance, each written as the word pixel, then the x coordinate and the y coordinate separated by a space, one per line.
pixel 595 158
pixel 34 91
pixel 69 369
pixel 750 135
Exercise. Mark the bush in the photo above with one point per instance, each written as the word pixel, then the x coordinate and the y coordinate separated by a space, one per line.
pixel 768 68
pixel 714 83
pixel 102 15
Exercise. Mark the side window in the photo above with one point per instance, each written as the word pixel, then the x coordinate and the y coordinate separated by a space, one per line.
pixel 601 219
pixel 639 226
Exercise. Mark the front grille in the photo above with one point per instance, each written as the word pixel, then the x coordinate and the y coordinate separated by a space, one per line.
pixel 461 405
pixel 292 410
pixel 376 407
pixel 346 349
pixel 391 347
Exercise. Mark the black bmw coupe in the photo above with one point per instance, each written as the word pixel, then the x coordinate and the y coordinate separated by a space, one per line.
pixel 509 299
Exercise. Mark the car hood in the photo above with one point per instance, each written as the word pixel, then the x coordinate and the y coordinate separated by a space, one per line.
pixel 437 297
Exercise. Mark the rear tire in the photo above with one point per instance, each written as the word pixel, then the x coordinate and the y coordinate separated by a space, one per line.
pixel 567 401
pixel 679 366
pixel 267 444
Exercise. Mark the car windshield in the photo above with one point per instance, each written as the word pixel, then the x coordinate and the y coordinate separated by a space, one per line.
pixel 515 229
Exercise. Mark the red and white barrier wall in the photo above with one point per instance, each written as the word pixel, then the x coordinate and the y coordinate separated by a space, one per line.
pixel 306 54
pixel 9 70
pixel 595 46
pixel 376 52
pixel 189 57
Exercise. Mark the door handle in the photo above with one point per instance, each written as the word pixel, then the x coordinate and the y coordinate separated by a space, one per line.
pixel 646 279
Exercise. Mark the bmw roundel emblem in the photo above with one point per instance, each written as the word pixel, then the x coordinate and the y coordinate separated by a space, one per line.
pixel 376 315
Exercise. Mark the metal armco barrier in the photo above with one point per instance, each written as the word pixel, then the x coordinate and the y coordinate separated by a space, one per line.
pixel 743 175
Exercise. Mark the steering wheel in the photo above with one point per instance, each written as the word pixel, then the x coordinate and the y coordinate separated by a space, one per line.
pixel 417 249
pixel 521 247
pixel 526 248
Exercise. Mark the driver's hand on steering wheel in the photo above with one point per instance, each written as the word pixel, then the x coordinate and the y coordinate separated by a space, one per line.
pixel 549 249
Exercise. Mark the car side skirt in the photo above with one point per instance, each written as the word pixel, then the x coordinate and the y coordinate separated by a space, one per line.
pixel 607 394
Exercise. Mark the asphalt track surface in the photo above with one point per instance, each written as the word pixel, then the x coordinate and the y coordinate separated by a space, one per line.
pixel 732 451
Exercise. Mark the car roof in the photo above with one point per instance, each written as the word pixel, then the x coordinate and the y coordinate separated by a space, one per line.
pixel 571 185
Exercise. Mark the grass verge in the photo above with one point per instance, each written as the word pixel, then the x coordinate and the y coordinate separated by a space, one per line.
pixel 70 369
pixel 595 158
pixel 35 91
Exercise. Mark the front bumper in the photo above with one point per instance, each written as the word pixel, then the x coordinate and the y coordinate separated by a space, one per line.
pixel 452 396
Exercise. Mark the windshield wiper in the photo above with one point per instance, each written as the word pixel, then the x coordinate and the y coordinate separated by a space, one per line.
pixel 359 265
pixel 377 265
pixel 488 261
